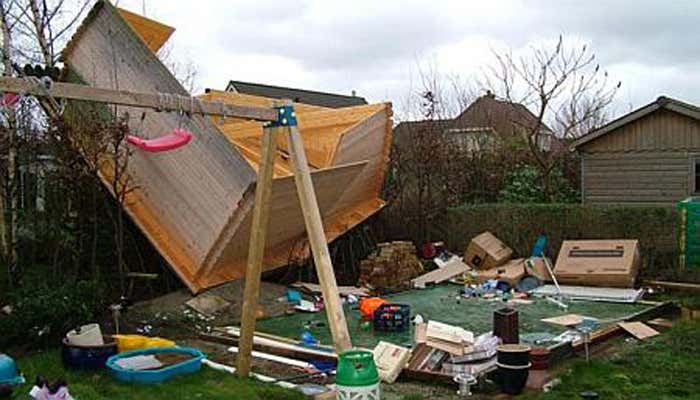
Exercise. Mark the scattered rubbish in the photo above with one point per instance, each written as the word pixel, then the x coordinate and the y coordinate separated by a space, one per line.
pixel 451 339
pixel 418 319
pixel 610 263
pixel 175 361
pixel 453 268
pixel 308 339
pixel 639 330
pixel 9 374
pixel 138 342
pixel 511 272
pixel 536 338
pixel 528 284
pixel 390 359
pixel 478 368
pixel 557 303
pixel 485 347
pixel 392 267
pixel 357 377
pixel 86 335
pixel 506 325
pixel 369 305
pixel 589 395
pixel 259 377
pixel 445 258
pixel 314 288
pixel 208 304
pixel 391 317
pixel 547 387
pixel 87 357
pixel 352 299
pixel 43 390
pixel 485 251
pixel 615 295
pixel 307 306
pixel 539 268
pixel 465 382
pixel 564 320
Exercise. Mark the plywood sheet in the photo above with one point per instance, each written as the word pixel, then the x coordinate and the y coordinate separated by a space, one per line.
pixel 449 271
pixel 153 33
pixel 564 320
pixel 639 330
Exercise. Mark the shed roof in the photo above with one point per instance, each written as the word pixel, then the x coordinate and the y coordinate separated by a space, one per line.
pixel 662 102
pixel 323 99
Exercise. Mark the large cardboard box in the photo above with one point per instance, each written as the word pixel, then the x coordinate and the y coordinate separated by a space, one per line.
pixel 511 272
pixel 612 263
pixel 485 251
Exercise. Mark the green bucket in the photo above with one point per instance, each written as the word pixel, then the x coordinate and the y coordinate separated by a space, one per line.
pixel 356 368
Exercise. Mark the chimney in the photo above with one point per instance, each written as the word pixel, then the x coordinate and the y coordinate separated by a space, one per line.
pixel 353 93
pixel 490 94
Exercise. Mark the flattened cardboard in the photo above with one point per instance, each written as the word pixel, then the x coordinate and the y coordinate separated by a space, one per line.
pixel 485 251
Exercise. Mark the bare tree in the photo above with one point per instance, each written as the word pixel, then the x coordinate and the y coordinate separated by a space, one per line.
pixel 563 86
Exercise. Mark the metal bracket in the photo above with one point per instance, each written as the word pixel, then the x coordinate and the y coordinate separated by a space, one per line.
pixel 285 116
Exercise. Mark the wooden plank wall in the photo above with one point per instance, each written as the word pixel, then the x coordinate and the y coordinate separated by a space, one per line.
pixel 187 195
pixel 646 162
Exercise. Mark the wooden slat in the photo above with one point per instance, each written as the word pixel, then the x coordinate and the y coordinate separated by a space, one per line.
pixel 317 240
pixel 162 101
pixel 256 251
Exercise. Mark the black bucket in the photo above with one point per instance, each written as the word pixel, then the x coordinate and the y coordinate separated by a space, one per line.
pixel 87 357
pixel 516 355
pixel 512 379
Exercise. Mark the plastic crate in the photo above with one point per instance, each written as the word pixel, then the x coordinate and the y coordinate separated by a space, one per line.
pixel 392 317
pixel 688 232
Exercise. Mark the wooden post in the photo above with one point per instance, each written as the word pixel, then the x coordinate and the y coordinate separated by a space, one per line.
pixel 317 241
pixel 256 250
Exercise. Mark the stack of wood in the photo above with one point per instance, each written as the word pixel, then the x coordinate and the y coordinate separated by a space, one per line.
pixel 391 267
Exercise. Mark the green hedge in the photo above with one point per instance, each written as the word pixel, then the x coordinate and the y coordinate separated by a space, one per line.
pixel 518 225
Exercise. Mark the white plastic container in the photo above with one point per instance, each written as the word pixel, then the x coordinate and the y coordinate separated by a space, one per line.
pixel 86 335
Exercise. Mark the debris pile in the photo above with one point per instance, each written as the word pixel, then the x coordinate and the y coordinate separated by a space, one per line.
pixel 391 268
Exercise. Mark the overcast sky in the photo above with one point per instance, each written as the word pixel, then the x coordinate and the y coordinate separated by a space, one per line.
pixel 375 47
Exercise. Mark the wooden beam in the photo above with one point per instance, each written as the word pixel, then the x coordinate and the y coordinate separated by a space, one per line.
pixel 682 286
pixel 317 241
pixel 160 101
pixel 256 249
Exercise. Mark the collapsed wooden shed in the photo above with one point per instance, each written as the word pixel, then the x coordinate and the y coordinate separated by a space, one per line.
pixel 195 203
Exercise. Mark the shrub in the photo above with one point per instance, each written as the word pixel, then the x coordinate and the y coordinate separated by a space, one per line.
pixel 523 185
pixel 43 313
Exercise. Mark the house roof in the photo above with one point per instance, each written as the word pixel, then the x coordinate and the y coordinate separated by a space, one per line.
pixel 662 102
pixel 323 99
pixel 505 117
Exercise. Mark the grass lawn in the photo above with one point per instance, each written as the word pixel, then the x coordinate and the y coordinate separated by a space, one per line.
pixel 664 367
pixel 205 384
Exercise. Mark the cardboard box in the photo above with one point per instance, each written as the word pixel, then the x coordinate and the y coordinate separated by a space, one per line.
pixel 390 360
pixel 610 263
pixel 512 272
pixel 536 267
pixel 485 251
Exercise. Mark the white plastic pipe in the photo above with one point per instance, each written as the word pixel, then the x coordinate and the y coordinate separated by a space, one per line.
pixel 261 378
pixel 275 358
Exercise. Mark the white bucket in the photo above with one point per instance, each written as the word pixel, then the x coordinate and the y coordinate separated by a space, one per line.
pixel 86 335
pixel 371 392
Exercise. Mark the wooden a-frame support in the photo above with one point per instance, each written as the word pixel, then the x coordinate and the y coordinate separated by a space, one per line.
pixel 317 241
pixel 302 178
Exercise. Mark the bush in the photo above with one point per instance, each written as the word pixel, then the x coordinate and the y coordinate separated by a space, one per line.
pixel 43 313
pixel 523 185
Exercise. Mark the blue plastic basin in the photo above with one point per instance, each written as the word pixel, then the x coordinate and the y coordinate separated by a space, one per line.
pixel 157 375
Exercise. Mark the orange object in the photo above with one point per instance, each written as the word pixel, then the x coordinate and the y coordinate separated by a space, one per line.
pixel 369 305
